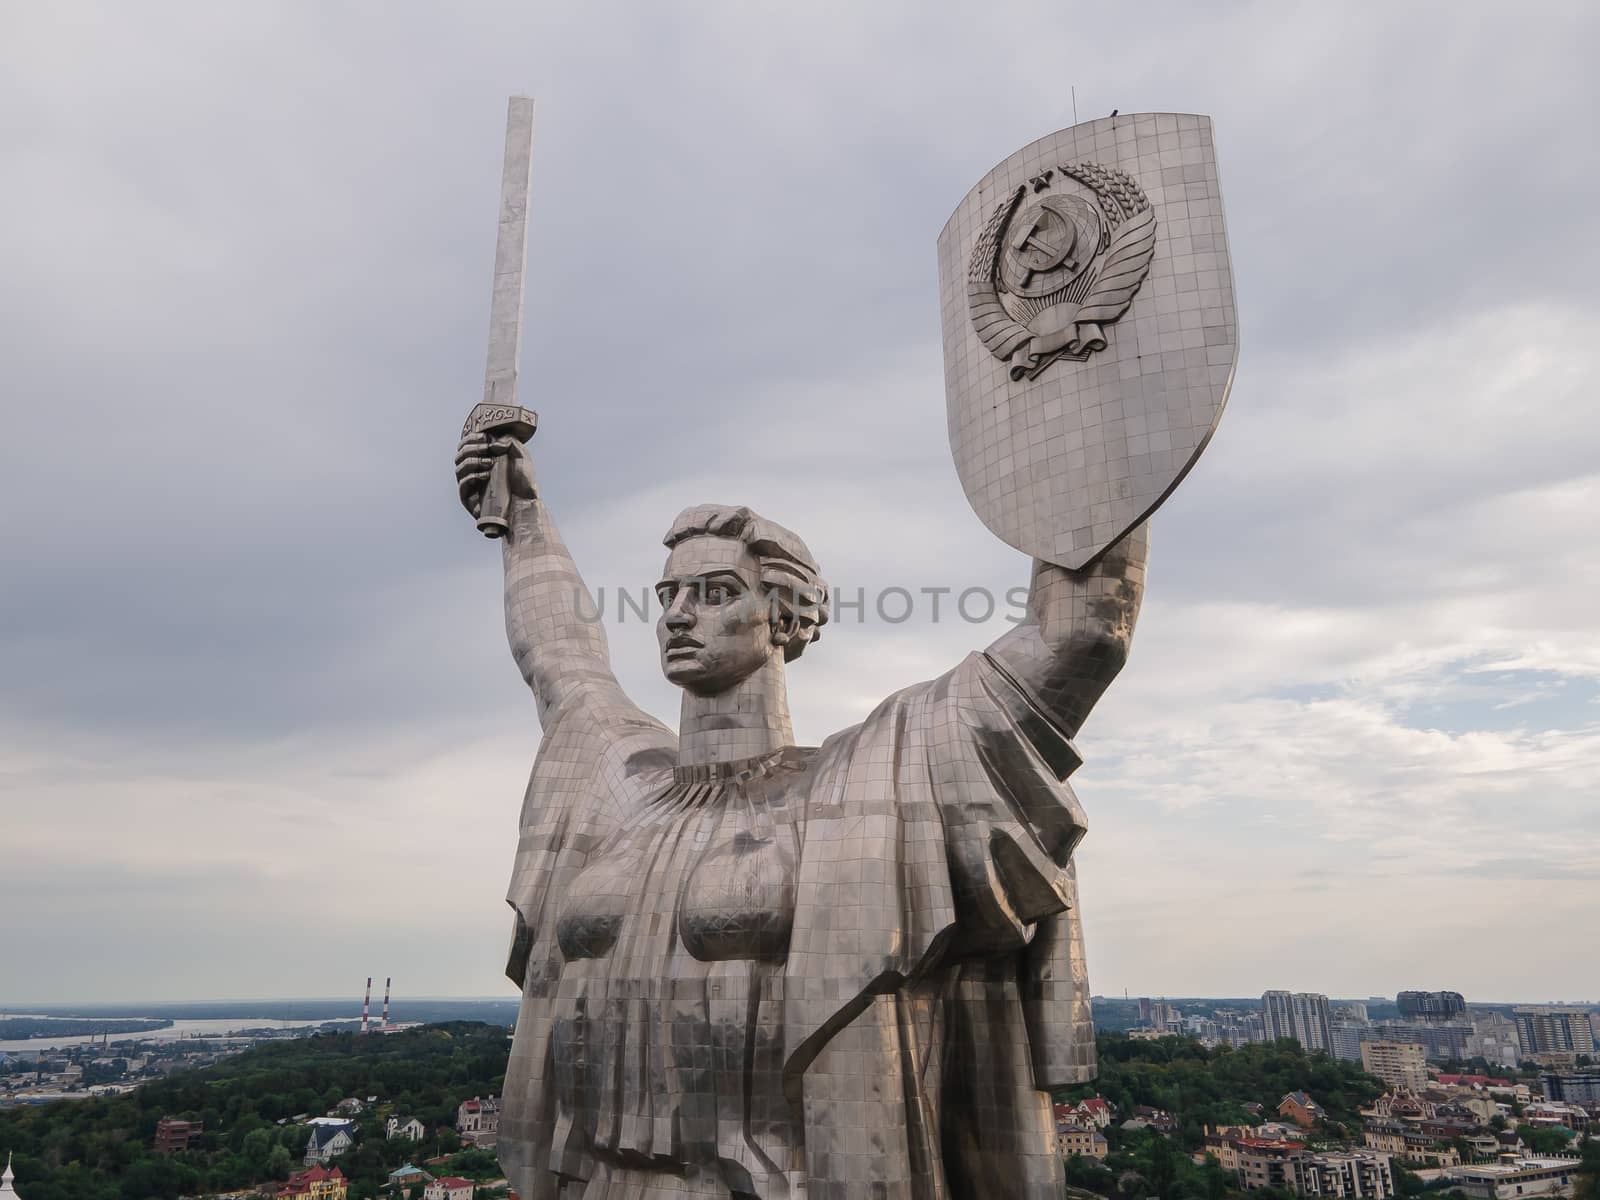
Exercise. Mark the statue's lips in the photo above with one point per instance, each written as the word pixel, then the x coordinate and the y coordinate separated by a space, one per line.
pixel 683 646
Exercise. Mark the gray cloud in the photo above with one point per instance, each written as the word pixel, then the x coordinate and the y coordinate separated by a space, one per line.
pixel 242 622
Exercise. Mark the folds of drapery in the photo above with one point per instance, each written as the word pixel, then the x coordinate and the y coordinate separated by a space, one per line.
pixel 934 982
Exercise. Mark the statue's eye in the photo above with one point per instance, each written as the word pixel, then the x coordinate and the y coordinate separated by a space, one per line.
pixel 665 592
pixel 718 593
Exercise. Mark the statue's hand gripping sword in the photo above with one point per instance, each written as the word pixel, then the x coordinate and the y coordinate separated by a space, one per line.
pixel 499 415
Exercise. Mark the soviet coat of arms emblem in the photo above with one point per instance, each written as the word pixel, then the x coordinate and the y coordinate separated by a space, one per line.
pixel 1047 275
pixel 1089 330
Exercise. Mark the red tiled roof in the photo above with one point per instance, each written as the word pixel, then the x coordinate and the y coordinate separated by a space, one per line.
pixel 453 1181
pixel 301 1180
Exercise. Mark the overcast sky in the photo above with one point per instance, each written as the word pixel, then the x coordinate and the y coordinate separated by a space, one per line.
pixel 259 731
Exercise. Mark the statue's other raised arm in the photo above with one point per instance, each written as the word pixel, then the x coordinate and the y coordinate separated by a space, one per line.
pixel 551 621
pixel 1078 630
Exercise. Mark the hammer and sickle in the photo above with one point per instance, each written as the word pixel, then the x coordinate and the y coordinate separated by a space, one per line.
pixel 1047 241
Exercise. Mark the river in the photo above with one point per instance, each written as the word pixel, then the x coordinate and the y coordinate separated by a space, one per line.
pixel 174 1032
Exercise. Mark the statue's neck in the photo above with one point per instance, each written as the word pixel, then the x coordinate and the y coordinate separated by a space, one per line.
pixel 743 722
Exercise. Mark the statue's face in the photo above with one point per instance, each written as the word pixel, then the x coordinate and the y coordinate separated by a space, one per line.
pixel 715 629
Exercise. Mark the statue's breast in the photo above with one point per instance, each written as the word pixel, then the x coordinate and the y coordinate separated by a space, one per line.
pixel 739 899
pixel 593 910
pixel 710 867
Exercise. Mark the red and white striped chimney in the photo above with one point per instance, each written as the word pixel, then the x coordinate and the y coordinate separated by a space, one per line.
pixel 366 1005
pixel 386 984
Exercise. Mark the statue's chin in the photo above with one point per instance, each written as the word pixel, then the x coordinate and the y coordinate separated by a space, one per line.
pixel 692 676
pixel 702 679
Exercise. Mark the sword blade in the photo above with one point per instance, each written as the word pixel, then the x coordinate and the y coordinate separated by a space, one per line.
pixel 510 253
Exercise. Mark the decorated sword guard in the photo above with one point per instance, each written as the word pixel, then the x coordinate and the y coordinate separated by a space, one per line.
pixel 1090 332
pixel 497 421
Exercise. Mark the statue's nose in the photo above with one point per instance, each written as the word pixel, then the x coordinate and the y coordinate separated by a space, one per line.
pixel 680 613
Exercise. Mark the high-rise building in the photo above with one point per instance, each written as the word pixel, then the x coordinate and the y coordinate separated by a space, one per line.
pixel 1499 1050
pixel 1554 1028
pixel 1441 1041
pixel 1399 1064
pixel 1302 1016
pixel 1353 1010
pixel 1582 1089
pixel 1347 1038
pixel 1431 1006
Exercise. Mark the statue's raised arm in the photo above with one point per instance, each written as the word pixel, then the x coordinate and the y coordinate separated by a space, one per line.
pixel 1078 630
pixel 551 622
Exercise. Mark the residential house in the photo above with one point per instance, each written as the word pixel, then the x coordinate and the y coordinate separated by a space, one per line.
pixel 329 1139
pixel 1483 1146
pixel 1410 1142
pixel 1222 1142
pixel 1074 1138
pixel 1301 1109
pixel 1546 1113
pixel 1349 1175
pixel 449 1187
pixel 409 1128
pixel 1261 1163
pixel 1399 1105
pixel 1477 1107
pixel 174 1136
pixel 408 1176
pixel 1145 1117
pixel 1093 1111
pixel 350 1106
pixel 319 1183
pixel 478 1121
pixel 1475 1081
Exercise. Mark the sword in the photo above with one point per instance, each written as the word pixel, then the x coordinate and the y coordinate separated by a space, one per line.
pixel 499 414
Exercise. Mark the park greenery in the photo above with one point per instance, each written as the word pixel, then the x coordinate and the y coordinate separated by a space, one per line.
pixel 101 1148
pixel 1201 1087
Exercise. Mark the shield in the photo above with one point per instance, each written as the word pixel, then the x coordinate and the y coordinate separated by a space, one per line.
pixel 1089 330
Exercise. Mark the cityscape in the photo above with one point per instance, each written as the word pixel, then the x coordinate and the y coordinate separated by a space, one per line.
pixel 1422 1092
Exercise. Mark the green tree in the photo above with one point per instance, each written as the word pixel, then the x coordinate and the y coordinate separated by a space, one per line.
pixel 1553 1139
pixel 1588 1183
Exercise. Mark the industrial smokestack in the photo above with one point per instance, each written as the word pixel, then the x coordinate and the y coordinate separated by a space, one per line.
pixel 366 1005
pixel 386 984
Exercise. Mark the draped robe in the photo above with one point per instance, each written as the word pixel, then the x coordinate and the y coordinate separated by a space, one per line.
pixel 908 984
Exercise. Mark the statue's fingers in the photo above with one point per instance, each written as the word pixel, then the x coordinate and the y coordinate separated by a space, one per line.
pixel 472 445
pixel 478 465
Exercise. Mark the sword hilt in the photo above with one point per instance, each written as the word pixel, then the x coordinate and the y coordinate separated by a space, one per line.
pixel 499 420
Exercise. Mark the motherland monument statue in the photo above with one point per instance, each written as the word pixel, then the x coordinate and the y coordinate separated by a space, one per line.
pixel 761 970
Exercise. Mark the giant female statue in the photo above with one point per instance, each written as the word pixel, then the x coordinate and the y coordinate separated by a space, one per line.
pixel 756 969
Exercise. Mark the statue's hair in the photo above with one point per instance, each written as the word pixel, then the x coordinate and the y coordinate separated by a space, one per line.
pixel 789 574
